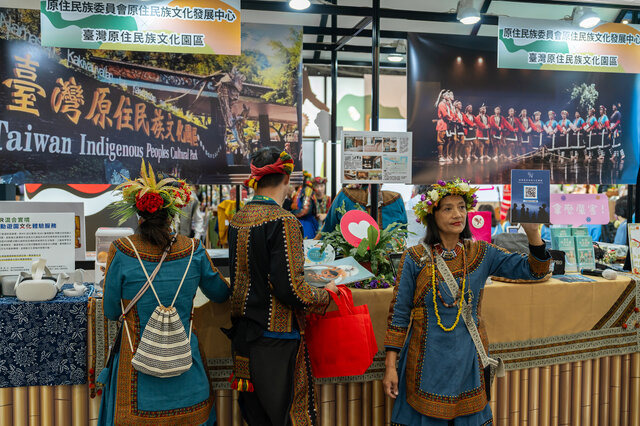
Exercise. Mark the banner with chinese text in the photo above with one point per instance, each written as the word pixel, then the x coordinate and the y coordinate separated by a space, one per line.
pixel 178 26
pixel 90 116
pixel 541 44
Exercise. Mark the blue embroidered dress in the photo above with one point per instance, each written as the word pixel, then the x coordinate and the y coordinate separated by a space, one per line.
pixel 132 398
pixel 440 375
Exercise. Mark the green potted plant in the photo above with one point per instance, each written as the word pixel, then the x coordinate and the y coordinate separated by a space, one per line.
pixel 371 253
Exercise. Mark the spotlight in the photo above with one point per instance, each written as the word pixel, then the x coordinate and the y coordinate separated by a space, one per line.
pixel 395 57
pixel 459 59
pixel 585 17
pixel 625 21
pixel 481 60
pixel 466 13
pixel 299 4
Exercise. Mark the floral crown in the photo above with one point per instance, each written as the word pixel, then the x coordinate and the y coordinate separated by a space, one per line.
pixel 442 189
pixel 307 178
pixel 148 194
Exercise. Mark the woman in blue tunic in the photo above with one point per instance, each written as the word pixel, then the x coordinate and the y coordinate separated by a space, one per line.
pixel 131 397
pixel 439 379
pixel 305 207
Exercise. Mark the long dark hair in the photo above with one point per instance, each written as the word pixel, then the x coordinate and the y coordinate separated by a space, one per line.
pixel 433 234
pixel 155 229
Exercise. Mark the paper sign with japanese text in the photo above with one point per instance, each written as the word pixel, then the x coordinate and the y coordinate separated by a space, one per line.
pixel 541 44
pixel 25 237
pixel 177 26
pixel 579 209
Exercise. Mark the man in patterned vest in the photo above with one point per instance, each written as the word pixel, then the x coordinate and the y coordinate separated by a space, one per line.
pixel 269 300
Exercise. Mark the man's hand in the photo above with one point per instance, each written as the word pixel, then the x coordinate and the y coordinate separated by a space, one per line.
pixel 331 286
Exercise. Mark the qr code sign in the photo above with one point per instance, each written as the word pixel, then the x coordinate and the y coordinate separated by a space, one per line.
pixel 530 192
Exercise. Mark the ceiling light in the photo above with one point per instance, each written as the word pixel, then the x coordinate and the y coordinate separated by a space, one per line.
pixel 299 4
pixel 395 57
pixel 625 21
pixel 466 13
pixel 585 17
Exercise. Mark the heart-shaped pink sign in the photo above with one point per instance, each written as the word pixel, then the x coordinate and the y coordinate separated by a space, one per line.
pixel 355 225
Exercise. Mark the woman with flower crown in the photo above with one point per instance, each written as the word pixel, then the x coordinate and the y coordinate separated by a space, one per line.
pixel 132 397
pixel 434 318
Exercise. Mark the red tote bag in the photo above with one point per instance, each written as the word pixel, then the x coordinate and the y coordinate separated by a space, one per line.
pixel 341 343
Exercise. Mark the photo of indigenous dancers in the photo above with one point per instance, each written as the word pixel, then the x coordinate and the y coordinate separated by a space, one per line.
pixel 538 125
pixel 550 130
pixel 445 126
pixel 463 137
pixel 496 122
pixel 576 140
pixel 564 128
pixel 591 132
pixel 511 126
pixel 470 137
pixel 458 120
pixel 614 126
pixel 482 133
pixel 525 130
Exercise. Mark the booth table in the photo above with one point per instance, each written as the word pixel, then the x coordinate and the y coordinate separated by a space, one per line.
pixel 569 357
pixel 570 360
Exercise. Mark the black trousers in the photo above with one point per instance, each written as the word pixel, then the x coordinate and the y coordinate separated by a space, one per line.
pixel 272 366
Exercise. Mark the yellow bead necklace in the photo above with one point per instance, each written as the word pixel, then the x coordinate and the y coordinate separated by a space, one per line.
pixel 433 284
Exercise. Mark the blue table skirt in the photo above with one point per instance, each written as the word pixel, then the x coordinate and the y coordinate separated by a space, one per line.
pixel 43 343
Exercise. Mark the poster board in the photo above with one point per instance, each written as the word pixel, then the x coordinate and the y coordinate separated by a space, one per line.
pixel 26 237
pixel 77 209
pixel 376 157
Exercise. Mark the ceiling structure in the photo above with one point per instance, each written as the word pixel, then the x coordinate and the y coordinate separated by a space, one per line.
pixel 401 16
pixel 397 18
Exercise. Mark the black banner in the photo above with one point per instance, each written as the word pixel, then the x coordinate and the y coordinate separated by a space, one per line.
pixel 71 116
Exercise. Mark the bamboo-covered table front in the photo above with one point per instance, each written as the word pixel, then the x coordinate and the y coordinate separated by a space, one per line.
pixel 571 350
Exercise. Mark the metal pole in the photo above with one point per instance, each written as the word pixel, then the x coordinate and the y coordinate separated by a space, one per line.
pixel 238 195
pixel 334 106
pixel 375 91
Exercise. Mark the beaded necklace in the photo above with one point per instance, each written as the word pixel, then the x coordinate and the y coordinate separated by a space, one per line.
pixel 437 291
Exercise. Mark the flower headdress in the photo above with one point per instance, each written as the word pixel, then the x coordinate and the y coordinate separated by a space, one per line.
pixel 148 194
pixel 319 180
pixel 307 179
pixel 442 189
pixel 283 166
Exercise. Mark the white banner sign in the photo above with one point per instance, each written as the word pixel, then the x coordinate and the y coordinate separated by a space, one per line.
pixel 25 237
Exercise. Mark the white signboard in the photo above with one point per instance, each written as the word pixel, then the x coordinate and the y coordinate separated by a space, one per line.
pixel 376 157
pixel 25 237
pixel 49 201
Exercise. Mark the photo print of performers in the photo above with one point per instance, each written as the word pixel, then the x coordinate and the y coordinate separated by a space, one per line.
pixel 470 118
